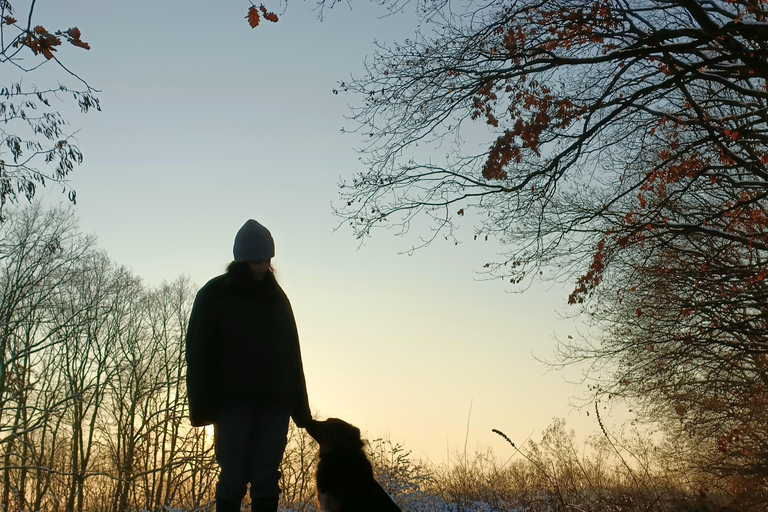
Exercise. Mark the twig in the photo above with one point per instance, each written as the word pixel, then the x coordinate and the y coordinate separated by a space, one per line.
pixel 638 484
pixel 552 481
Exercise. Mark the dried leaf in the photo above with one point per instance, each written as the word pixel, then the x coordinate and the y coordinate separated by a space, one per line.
pixel 81 44
pixel 253 17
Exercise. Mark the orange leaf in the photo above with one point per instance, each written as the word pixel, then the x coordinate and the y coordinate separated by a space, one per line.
pixel 44 43
pixel 9 21
pixel 270 16
pixel 81 44
pixel 253 17
pixel 32 45
pixel 73 36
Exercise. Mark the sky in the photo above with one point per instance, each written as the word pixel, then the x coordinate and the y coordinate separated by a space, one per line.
pixel 206 123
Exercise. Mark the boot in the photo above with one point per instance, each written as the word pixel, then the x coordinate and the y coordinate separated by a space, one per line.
pixel 265 504
pixel 227 506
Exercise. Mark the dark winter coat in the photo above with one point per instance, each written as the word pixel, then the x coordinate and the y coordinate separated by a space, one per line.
pixel 242 346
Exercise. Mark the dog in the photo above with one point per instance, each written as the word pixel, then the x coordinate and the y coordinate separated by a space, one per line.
pixel 345 480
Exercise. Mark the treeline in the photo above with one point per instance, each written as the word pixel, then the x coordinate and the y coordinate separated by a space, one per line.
pixel 93 411
pixel 92 394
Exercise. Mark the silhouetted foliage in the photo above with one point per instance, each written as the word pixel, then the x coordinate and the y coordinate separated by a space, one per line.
pixel 35 148
pixel 625 146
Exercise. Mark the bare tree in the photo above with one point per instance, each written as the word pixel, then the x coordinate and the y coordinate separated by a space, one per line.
pixel 97 301
pixel 683 339
pixel 591 108
pixel 131 390
pixel 623 145
pixel 148 413
pixel 38 250
pixel 169 309
pixel 93 409
pixel 46 442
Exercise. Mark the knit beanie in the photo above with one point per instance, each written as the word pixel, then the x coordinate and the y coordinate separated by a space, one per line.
pixel 253 242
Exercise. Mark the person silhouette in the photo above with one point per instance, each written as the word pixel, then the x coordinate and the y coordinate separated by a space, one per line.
pixel 244 372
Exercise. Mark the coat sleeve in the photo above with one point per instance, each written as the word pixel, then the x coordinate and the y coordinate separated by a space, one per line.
pixel 199 356
pixel 300 412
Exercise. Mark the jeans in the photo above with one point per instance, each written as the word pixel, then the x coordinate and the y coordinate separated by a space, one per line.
pixel 249 440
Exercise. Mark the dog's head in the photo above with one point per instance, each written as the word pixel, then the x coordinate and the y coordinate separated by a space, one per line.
pixel 335 435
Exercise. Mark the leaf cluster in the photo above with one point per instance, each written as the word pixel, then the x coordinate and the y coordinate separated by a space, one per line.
pixel 34 147
pixel 591 107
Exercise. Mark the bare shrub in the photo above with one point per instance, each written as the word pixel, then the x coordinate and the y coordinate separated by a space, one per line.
pixel 405 479
pixel 298 472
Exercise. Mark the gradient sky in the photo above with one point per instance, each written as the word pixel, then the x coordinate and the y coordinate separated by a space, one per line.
pixel 207 122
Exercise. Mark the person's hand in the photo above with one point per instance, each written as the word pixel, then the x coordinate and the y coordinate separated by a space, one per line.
pixel 302 420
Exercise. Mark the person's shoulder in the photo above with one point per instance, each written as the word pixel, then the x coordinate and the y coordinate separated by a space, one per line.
pixel 214 287
pixel 280 294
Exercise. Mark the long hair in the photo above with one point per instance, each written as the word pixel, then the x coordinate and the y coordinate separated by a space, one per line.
pixel 239 269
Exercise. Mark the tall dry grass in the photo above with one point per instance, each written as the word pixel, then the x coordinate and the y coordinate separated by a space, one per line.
pixel 631 471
